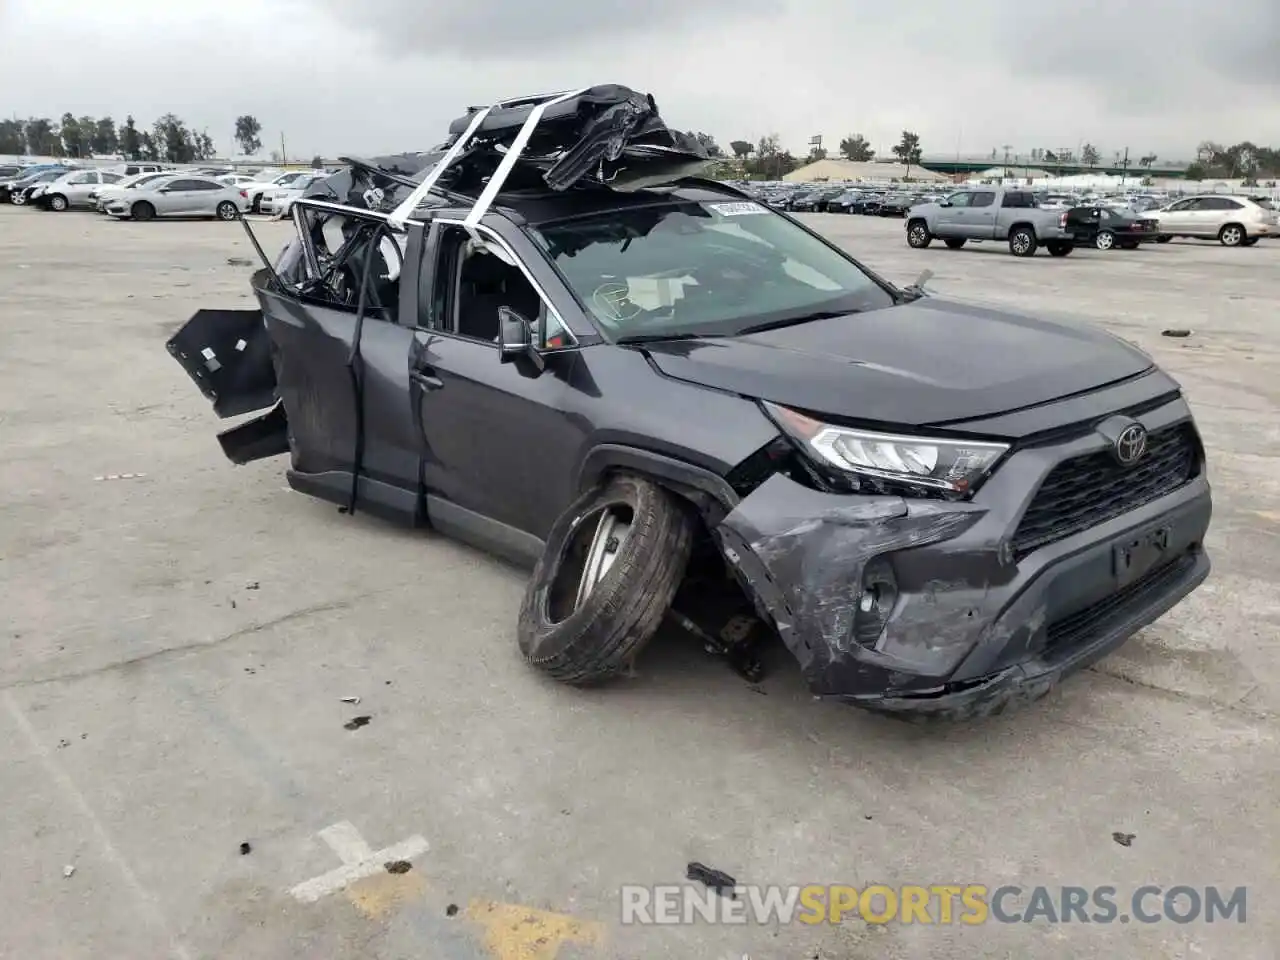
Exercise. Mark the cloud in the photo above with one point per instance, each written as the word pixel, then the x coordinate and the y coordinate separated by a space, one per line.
pixel 535 30
pixel 387 75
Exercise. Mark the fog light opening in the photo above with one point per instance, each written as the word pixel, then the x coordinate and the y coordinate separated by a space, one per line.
pixel 876 598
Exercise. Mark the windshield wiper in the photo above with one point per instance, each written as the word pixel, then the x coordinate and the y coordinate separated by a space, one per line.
pixel 793 321
pixel 662 337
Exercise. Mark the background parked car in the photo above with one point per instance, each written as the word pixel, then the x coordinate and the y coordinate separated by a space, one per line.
pixel 180 195
pixel 254 191
pixel 72 190
pixel 19 191
pixel 103 195
pixel 278 200
pixel 1232 221
pixel 1105 228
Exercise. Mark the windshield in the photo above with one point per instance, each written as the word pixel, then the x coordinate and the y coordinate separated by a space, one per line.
pixel 702 269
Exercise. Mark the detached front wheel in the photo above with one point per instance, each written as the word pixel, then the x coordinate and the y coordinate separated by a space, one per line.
pixel 918 235
pixel 611 566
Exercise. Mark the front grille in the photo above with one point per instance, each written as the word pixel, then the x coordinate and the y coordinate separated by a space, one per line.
pixel 1088 490
pixel 1085 624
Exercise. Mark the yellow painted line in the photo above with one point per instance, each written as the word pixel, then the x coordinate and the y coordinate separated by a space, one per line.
pixel 377 896
pixel 513 932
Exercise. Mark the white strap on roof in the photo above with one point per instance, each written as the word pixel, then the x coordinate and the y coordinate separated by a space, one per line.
pixel 494 186
pixel 400 215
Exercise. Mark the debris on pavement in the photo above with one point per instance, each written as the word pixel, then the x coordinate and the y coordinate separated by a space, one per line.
pixel 451 910
pixel 1176 332
pixel 352 700
pixel 355 723
pixel 68 870
pixel 245 848
pixel 252 585
pixel 398 866
pixel 716 880
pixel 239 262
pixel 1124 839
pixel 121 476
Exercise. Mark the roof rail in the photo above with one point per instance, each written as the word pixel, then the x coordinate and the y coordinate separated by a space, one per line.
pixel 402 213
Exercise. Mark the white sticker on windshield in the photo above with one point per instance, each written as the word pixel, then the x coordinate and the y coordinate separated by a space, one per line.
pixel 741 209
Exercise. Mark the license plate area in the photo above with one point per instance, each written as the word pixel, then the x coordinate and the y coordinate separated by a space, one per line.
pixel 1138 555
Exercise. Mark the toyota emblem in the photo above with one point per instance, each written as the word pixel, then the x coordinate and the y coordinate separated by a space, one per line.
pixel 1131 444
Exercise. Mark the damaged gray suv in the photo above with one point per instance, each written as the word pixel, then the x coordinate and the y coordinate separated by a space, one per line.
pixel 654 391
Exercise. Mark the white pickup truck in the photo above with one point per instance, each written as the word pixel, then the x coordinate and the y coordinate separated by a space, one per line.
pixel 990 213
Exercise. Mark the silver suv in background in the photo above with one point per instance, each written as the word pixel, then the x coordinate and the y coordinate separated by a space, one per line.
pixel 1232 221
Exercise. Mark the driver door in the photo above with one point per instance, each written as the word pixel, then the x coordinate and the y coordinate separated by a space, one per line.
pixel 950 218
pixel 499 446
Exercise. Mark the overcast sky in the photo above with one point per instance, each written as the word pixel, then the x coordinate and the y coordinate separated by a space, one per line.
pixel 387 75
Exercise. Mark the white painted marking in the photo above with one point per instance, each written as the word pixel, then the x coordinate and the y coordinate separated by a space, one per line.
pixel 240 345
pixel 149 907
pixel 358 860
pixel 345 840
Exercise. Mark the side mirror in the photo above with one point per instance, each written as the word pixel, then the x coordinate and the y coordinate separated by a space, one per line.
pixel 944 203
pixel 515 338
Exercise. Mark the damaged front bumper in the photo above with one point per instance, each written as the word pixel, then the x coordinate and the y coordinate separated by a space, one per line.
pixel 923 607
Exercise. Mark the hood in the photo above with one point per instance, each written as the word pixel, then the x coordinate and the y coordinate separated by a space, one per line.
pixel 928 362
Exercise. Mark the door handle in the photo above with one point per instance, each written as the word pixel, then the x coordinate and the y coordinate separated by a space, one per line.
pixel 428 381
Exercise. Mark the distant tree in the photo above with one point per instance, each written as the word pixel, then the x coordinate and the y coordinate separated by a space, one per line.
pixel 317 162
pixel 816 153
pixel 1197 171
pixel 275 156
pixel 1089 155
pixel 1048 156
pixel 13 138
pixel 75 139
pixel 1148 160
pixel 88 127
pixel 130 142
pixel 202 146
pixel 104 139
pixel 173 139
pixel 741 148
pixel 908 150
pixel 148 149
pixel 42 139
pixel 855 147
pixel 771 162
pixel 247 130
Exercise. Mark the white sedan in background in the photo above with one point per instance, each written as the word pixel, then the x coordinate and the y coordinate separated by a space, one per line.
pixel 255 191
pixel 116 191
pixel 277 201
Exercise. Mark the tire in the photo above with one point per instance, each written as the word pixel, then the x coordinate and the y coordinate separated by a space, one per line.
pixel 1249 242
pixel 1163 238
pixel 1022 242
pixel 586 634
pixel 918 235
pixel 18 200
pixel 142 211
pixel 1232 235
pixel 1129 245
pixel 955 243
pixel 255 205
pixel 227 210
pixel 1059 249
pixel 57 203
pixel 1105 240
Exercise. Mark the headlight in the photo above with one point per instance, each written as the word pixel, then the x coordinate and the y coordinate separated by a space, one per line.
pixel 934 465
